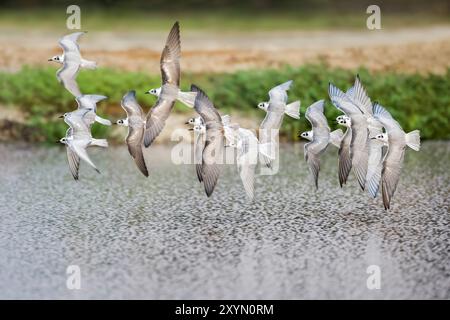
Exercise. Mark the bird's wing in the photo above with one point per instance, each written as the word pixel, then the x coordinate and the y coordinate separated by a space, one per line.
pixel 359 97
pixel 205 107
pixel 278 94
pixel 156 119
pixel 67 76
pixel 170 57
pixel 134 142
pixel 212 157
pixel 79 147
pixel 375 165
pixel 131 106
pixel 247 159
pixel 312 152
pixel 74 162
pixel 359 148
pixel 69 43
pixel 212 153
pixel 89 101
pixel 77 121
pixel 392 166
pixel 345 161
pixel 392 127
pixel 199 145
pixel 341 101
pixel 315 115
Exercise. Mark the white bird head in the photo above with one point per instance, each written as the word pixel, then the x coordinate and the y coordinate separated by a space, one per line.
pixel 155 91
pixel 191 121
pixel 122 122
pixel 199 128
pixel 344 121
pixel 307 135
pixel 263 105
pixel 58 59
pixel 381 137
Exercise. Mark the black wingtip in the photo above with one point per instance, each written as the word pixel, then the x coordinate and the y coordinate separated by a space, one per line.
pixel 195 88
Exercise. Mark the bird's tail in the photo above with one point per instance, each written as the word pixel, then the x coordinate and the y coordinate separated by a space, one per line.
pixel 413 140
pixel 293 109
pixel 336 137
pixel 105 122
pixel 87 64
pixel 187 98
pixel 100 143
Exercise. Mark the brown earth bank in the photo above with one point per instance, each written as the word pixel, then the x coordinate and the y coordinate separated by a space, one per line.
pixel 424 50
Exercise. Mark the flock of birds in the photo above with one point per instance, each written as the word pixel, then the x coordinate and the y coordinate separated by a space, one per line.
pixel 375 157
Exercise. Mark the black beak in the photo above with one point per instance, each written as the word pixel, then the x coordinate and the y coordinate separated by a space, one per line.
pixel 191 129
pixel 60 117
pixel 186 122
pixel 146 92
pixel 373 138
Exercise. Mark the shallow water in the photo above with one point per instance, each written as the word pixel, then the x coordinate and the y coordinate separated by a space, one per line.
pixel 162 238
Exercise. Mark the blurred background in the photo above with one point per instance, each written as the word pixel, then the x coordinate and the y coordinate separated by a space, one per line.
pixel 234 50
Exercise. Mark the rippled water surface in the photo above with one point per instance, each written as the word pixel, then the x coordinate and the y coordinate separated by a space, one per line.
pixel 162 238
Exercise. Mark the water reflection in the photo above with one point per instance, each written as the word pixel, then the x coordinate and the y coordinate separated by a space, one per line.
pixel 162 238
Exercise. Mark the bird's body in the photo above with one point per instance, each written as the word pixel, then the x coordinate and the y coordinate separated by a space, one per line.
pixel 89 101
pixel 135 122
pixel 247 146
pixel 270 126
pixel 72 62
pixel 359 145
pixel 187 98
pixel 78 138
pixel 397 141
pixel 345 161
pixel 359 97
pixel 319 137
pixel 170 73
pixel 291 109
pixel 214 140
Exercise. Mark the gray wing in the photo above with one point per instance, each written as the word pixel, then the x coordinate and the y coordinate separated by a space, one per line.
pixel 211 158
pixel 70 42
pixel 278 94
pixel 376 154
pixel 74 162
pixel 341 101
pixel 67 77
pixel 359 148
pixel 392 127
pixel 392 166
pixel 246 160
pixel 345 161
pixel 312 152
pixel 78 124
pixel 170 57
pixel 315 115
pixel 131 106
pixel 80 150
pixel 205 107
pixel 360 98
pixel 214 139
pixel 199 145
pixel 268 134
pixel 156 119
pixel 134 142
